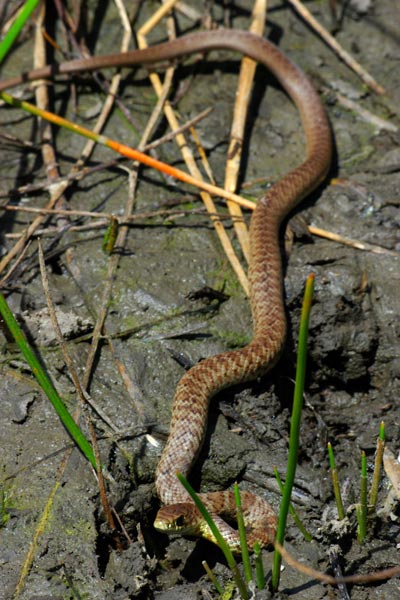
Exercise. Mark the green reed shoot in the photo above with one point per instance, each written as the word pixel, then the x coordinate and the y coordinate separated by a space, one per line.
pixel 45 383
pixel 242 535
pixel 294 426
pixel 361 510
pixel 260 575
pixel 110 236
pixel 335 483
pixel 212 577
pixel 380 446
pixel 306 534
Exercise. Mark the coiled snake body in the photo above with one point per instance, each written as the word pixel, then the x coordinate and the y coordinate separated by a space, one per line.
pixel 211 375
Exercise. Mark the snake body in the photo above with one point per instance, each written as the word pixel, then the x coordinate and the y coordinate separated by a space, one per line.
pixel 204 380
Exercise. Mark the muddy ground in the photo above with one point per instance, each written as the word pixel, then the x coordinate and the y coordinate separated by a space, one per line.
pixel 354 368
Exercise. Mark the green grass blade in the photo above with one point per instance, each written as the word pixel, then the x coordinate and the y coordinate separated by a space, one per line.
pixel 335 483
pixel 306 534
pixel 16 27
pixel 362 509
pixel 294 426
pixel 260 575
pixel 382 431
pixel 217 534
pixel 45 383
pixel 242 535
pixel 213 578
pixel 110 236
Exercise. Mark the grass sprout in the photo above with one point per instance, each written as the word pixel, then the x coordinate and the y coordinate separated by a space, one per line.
pixel 213 578
pixel 45 383
pixel 306 534
pixel 361 510
pixel 380 446
pixel 335 483
pixel 366 504
pixel 242 535
pixel 294 426
pixel 260 575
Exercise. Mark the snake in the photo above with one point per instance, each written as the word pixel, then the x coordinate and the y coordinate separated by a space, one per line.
pixel 178 513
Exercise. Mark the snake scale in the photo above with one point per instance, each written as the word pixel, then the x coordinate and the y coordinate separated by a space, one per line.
pixel 204 380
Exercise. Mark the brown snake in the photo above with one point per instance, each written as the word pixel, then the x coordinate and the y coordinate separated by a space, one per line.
pixel 205 379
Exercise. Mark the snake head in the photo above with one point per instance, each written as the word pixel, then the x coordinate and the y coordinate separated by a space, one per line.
pixel 182 518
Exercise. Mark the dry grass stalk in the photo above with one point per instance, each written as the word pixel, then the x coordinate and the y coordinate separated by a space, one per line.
pixel 189 12
pixel 115 81
pixel 114 259
pixel 246 78
pixel 84 172
pixel 78 387
pixel 358 579
pixel 187 154
pixel 335 237
pixel 58 192
pixel 103 217
pixel 363 113
pixel 331 41
pixel 42 100
pixel 40 528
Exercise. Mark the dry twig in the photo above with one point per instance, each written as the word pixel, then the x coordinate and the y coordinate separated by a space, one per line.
pixel 331 41
pixel 187 154
pixel 246 77
pixel 358 579
pixel 335 237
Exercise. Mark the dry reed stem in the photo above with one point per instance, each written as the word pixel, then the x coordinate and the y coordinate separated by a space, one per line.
pixel 57 193
pixel 84 172
pixel 14 11
pixel 99 328
pixel 357 579
pixel 27 234
pixel 19 259
pixel 331 41
pixel 154 20
pixel 78 387
pixel 203 156
pixel 187 154
pixel 363 113
pixel 329 235
pixel 243 95
pixel 133 390
pixel 115 81
pixel 42 101
pixel 189 12
pixel 104 217
pixel 49 160
pixel 60 339
pixel 126 220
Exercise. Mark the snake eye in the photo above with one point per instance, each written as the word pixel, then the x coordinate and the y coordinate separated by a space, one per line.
pixel 179 521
